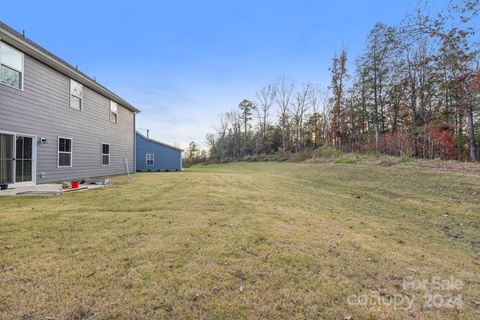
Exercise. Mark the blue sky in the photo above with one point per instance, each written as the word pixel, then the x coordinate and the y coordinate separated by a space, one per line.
pixel 184 62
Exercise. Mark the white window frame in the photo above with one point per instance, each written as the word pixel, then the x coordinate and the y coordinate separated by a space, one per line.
pixel 21 71
pixel 113 105
pixel 106 154
pixel 153 159
pixel 58 152
pixel 80 96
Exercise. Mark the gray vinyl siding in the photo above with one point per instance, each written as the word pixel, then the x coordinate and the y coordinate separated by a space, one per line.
pixel 43 109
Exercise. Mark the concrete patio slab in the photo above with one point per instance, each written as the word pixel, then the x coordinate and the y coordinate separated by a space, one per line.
pixel 49 189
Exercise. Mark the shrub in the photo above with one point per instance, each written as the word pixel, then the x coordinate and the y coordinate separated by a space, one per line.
pixel 326 152
pixel 301 156
pixel 395 143
pixel 406 159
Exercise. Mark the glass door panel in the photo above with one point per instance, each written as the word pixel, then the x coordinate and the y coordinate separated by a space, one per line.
pixel 23 160
pixel 6 158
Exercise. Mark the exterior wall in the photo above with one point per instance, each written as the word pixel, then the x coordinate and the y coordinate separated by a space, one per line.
pixel 166 159
pixel 43 109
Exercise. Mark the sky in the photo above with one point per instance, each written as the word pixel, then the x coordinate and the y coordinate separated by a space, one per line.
pixel 183 62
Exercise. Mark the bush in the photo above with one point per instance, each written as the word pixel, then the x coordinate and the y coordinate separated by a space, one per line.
pixel 301 156
pixel 326 152
pixel 406 159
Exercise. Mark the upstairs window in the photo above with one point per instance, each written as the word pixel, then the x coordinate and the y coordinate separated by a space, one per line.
pixel 105 154
pixel 76 95
pixel 150 160
pixel 11 66
pixel 64 152
pixel 113 112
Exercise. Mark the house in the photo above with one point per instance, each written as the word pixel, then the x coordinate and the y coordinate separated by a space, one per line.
pixel 154 155
pixel 56 123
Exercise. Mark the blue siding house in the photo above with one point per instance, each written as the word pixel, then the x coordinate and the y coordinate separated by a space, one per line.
pixel 152 155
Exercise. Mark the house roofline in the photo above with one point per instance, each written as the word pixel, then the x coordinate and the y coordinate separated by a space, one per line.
pixel 158 142
pixel 14 38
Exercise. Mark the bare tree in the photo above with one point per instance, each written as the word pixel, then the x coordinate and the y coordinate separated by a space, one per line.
pixel 265 99
pixel 235 123
pixel 283 98
pixel 319 102
pixel 471 124
pixel 212 143
pixel 299 108
pixel 221 130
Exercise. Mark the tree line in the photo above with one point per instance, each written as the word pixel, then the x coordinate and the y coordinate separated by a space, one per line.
pixel 415 91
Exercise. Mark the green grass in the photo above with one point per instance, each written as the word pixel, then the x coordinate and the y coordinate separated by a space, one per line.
pixel 243 240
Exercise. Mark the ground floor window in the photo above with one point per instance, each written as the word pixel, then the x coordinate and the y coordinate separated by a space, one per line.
pixel 105 154
pixel 64 152
pixel 150 159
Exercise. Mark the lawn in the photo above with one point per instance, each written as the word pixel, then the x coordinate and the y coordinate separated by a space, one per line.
pixel 246 241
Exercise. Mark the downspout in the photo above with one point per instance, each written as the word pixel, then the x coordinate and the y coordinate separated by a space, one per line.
pixel 134 142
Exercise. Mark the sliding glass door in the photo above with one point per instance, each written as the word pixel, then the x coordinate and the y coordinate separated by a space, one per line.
pixel 6 158
pixel 16 158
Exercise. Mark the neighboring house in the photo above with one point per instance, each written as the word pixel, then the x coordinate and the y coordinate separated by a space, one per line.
pixel 153 155
pixel 56 123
